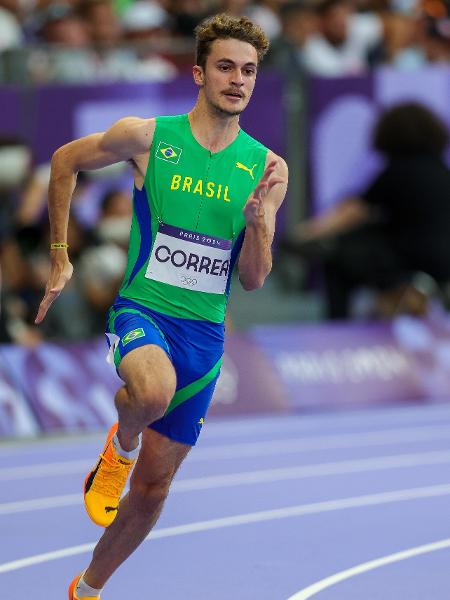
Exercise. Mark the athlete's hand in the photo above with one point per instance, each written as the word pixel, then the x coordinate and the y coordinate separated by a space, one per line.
pixel 254 208
pixel 60 274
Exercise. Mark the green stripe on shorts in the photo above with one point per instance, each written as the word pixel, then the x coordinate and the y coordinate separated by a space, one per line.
pixel 193 388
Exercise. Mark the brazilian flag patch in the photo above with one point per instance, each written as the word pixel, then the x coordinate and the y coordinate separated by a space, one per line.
pixel 168 152
pixel 133 335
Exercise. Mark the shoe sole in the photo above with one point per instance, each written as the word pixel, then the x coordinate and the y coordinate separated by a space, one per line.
pixel 72 588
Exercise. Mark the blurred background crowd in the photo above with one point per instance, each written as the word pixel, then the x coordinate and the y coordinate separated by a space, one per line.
pixel 356 244
pixel 135 40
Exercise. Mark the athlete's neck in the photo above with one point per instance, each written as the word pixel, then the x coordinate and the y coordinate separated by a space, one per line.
pixel 214 132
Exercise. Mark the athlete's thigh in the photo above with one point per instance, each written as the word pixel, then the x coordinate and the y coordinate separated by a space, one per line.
pixel 148 368
pixel 159 458
pixel 140 352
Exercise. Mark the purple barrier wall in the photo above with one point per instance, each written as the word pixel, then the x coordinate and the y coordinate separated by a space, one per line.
pixel 342 365
pixel 71 387
pixel 342 114
pixel 51 115
pixel 269 369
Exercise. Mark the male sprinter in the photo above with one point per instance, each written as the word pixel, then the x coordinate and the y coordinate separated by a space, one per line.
pixel 205 194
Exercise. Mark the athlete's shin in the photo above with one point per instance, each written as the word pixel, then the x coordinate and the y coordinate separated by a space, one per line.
pixel 138 513
pixel 120 540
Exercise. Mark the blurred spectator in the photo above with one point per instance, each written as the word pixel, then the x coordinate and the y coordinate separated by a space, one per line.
pixel 73 317
pixel 60 24
pixel 145 23
pixel 437 39
pixel 400 46
pixel 344 41
pixel 102 266
pixel 70 60
pixel 299 22
pixel 10 30
pixel 115 219
pixel 101 21
pixel 90 43
pixel 15 160
pixel 24 255
pixel 264 13
pixel 398 226
pixel 33 198
pixel 186 15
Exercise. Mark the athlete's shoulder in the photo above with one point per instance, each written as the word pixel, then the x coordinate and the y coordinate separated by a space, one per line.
pixel 281 167
pixel 140 129
pixel 133 133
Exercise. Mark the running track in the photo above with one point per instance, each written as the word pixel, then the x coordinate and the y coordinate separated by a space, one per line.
pixel 345 506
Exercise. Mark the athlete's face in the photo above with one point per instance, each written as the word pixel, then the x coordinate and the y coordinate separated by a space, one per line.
pixel 229 76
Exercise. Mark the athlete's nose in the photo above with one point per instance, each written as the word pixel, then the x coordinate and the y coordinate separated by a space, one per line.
pixel 237 78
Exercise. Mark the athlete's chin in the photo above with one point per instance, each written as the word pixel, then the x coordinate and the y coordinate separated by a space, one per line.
pixel 229 111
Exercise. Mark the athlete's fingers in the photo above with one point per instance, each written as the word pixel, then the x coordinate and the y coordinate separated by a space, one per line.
pixel 261 190
pixel 58 278
pixel 268 171
pixel 45 304
pixel 275 181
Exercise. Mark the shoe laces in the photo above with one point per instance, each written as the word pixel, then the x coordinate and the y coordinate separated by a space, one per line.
pixel 111 477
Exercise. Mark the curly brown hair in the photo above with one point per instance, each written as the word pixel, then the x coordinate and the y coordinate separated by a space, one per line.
pixel 222 27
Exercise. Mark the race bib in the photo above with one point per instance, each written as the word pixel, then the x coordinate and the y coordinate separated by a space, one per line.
pixel 189 259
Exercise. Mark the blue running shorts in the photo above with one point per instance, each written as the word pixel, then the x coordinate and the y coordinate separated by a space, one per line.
pixel 195 349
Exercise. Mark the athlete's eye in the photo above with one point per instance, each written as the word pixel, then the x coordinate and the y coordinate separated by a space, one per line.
pixel 249 72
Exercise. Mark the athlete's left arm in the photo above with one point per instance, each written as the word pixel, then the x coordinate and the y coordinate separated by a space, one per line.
pixel 255 261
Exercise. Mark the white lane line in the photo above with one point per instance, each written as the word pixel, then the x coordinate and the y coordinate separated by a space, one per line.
pixel 252 449
pixel 9 508
pixel 406 414
pixel 54 469
pixel 234 427
pixel 323 442
pixel 326 583
pixel 365 465
pixel 244 519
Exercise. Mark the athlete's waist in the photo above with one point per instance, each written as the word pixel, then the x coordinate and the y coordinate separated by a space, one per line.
pixel 215 329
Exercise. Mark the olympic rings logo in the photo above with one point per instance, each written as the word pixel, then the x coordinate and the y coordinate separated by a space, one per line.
pixel 188 280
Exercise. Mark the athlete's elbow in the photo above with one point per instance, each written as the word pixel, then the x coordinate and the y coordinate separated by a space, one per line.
pixel 62 161
pixel 252 283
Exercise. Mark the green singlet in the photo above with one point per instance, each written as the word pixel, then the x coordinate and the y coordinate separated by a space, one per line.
pixel 188 225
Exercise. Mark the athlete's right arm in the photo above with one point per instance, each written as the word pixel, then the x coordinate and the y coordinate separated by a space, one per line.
pixel 126 140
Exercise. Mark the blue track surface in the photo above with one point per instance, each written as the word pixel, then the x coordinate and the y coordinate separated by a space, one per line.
pixel 261 510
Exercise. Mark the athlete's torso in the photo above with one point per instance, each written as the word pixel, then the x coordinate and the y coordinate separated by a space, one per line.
pixel 188 225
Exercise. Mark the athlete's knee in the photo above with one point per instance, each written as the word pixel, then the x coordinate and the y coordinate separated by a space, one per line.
pixel 147 496
pixel 151 397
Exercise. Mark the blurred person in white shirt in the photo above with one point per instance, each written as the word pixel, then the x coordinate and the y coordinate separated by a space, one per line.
pixel 10 30
pixel 299 23
pixel 344 41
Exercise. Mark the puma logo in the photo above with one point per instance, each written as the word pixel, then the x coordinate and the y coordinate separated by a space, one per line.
pixel 244 168
pixel 109 509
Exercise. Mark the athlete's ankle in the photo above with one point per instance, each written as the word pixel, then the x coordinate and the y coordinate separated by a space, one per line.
pixel 128 447
pixel 88 590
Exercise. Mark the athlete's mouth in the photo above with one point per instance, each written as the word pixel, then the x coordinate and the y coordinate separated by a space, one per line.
pixel 233 94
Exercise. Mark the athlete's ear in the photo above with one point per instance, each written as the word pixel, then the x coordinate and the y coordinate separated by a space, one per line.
pixel 199 76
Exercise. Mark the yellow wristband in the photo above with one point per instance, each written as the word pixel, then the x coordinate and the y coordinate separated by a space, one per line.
pixel 59 245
